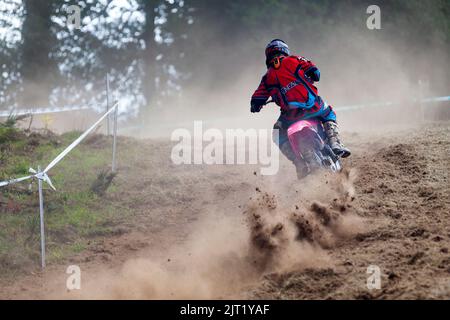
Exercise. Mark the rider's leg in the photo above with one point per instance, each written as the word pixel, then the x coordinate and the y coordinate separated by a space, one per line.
pixel 332 132
pixel 285 147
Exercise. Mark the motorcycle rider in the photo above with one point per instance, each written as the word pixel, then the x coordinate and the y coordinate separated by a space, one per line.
pixel 289 80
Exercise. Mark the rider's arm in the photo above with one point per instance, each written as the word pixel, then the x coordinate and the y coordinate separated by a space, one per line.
pixel 259 97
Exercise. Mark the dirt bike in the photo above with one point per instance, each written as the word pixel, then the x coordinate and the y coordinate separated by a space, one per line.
pixel 308 141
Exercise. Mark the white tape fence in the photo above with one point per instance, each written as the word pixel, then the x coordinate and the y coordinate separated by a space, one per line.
pixel 42 176
pixel 389 103
pixel 37 110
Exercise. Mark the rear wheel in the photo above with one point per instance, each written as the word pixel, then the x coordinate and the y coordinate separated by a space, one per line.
pixel 310 145
pixel 315 152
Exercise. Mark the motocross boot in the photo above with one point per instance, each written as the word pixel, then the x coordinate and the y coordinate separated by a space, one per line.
pixel 332 132
pixel 300 165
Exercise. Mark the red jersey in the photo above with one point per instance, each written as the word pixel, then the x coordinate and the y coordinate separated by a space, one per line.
pixel 287 83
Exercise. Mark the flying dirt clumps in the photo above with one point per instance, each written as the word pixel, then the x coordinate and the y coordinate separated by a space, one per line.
pixel 324 225
pixel 279 236
pixel 267 240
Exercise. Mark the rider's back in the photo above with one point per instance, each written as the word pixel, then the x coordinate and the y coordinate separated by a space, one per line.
pixel 287 81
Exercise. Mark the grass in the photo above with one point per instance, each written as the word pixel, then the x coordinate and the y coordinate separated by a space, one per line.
pixel 73 214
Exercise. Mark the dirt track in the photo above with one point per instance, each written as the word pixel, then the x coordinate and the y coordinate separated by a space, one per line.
pixel 224 231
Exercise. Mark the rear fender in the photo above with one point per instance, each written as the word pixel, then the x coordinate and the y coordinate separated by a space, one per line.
pixel 303 135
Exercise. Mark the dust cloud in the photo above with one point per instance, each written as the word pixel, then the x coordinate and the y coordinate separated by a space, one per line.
pixel 227 253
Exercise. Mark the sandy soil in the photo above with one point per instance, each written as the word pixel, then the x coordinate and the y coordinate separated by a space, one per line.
pixel 227 232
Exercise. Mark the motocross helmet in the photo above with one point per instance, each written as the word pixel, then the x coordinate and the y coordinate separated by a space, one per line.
pixel 275 48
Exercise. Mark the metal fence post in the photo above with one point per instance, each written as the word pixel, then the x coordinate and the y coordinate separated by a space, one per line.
pixel 107 105
pixel 113 166
pixel 42 176
pixel 41 213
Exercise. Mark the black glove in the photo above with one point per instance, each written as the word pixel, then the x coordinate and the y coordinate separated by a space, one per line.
pixel 313 74
pixel 255 107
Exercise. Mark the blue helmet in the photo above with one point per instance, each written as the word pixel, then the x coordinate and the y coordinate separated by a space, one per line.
pixel 276 47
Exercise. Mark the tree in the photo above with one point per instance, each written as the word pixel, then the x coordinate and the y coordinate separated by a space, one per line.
pixel 39 72
pixel 149 53
pixel 11 16
pixel 107 42
pixel 157 49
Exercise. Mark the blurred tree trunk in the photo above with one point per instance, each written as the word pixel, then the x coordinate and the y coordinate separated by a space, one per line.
pixel 149 54
pixel 38 71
